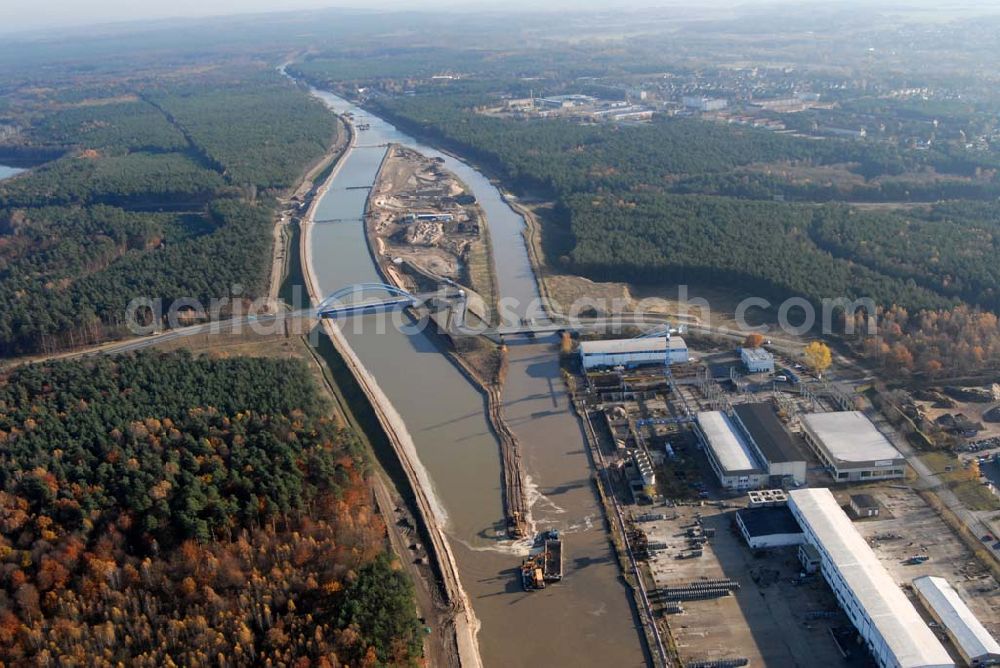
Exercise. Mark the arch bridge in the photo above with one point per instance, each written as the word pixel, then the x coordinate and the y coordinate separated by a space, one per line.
pixel 342 301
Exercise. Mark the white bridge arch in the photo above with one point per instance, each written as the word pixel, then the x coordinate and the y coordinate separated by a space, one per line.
pixel 339 302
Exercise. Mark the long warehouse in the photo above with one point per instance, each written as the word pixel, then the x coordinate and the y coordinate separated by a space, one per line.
pixel 891 627
pixel 633 352
pixel 771 441
pixel 974 642
pixel 750 448
pixel 729 453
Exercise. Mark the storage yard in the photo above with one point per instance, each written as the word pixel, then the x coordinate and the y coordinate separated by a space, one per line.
pixel 686 444
pixel 774 618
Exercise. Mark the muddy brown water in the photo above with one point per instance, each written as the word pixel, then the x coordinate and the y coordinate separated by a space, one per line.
pixel 586 620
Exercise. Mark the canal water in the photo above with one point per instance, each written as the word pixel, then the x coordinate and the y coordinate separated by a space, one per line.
pixel 442 411
pixel 588 619
pixel 7 172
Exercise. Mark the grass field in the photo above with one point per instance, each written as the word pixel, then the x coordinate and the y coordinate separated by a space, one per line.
pixel 964 482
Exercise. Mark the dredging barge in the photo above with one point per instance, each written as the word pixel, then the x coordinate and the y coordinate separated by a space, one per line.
pixel 544 567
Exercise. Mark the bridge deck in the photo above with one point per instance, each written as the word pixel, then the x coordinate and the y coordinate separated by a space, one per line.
pixel 348 309
pixel 511 330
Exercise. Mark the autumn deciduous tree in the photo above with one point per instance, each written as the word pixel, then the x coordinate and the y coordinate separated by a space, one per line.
pixel 938 343
pixel 566 343
pixel 817 357
pixel 901 358
pixel 226 515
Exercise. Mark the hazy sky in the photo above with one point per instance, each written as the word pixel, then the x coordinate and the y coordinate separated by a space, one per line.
pixel 18 15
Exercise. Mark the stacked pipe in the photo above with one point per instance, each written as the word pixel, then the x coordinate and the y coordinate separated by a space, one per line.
pixel 703 589
pixel 720 663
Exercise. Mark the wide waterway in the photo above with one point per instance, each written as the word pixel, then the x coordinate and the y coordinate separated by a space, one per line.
pixel 588 618
pixel 7 172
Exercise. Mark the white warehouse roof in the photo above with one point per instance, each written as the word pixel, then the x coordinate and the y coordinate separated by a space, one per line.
pixel 966 630
pixel 731 449
pixel 896 620
pixel 849 436
pixel 626 346
pixel 756 354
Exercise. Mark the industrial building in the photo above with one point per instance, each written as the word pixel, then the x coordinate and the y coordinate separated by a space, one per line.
pixel 731 456
pixel 645 474
pixel 704 103
pixel 757 360
pixel 633 352
pixel 750 448
pixel 772 443
pixel 770 527
pixel 809 557
pixel 520 104
pixel 762 498
pixel 638 114
pixel 629 112
pixel 851 447
pixel 970 637
pixel 565 101
pixel 428 218
pixel 864 505
pixel 884 618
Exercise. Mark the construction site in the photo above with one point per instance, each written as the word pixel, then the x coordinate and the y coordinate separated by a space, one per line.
pixel 703 462
pixel 426 230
